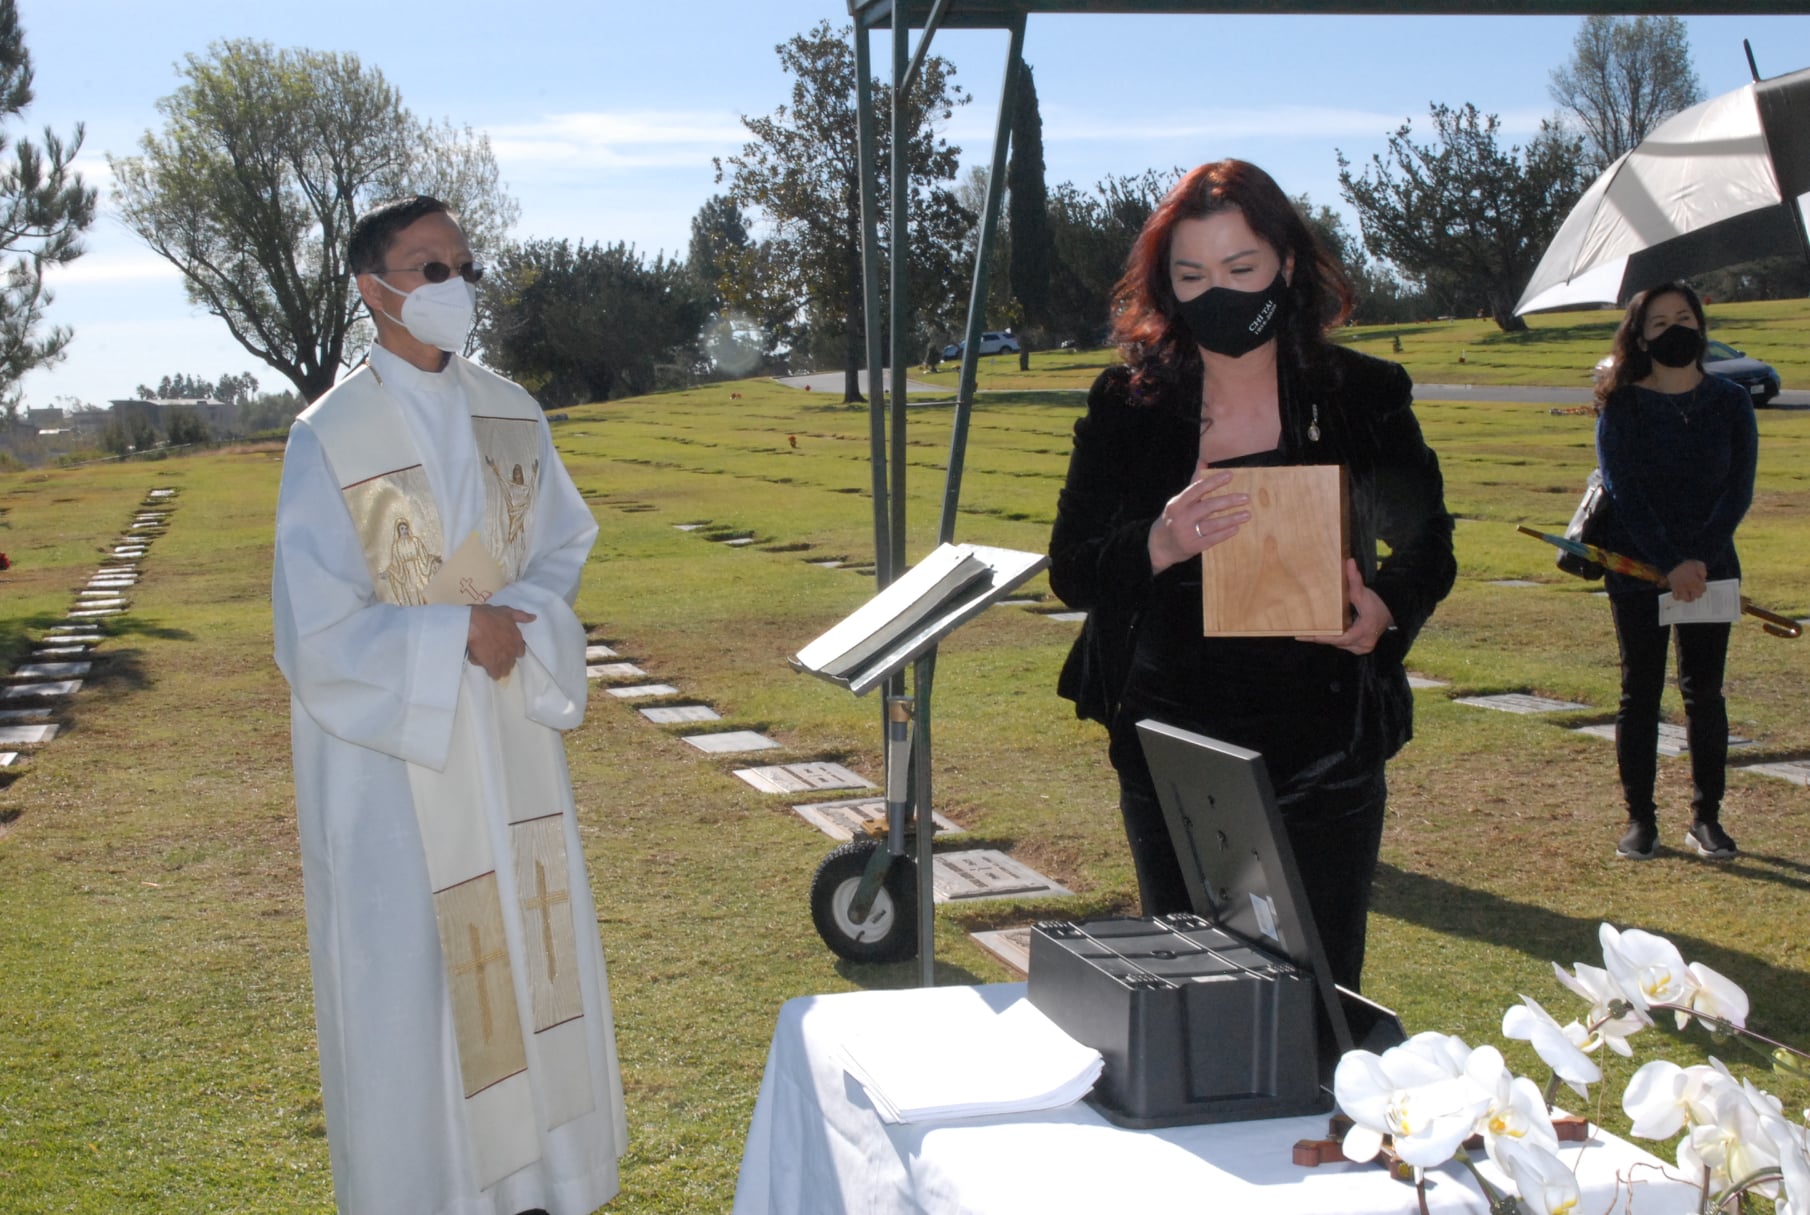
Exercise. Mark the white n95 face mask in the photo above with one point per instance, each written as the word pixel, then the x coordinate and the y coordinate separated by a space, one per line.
pixel 440 314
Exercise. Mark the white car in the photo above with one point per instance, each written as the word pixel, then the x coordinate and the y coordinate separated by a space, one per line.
pixel 990 343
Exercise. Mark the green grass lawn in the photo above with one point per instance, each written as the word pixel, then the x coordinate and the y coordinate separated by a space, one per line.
pixel 156 1026
pixel 1558 348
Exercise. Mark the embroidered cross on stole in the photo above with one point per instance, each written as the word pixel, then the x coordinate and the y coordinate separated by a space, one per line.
pixel 506 924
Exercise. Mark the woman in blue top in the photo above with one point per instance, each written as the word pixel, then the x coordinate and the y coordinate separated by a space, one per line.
pixel 1677 448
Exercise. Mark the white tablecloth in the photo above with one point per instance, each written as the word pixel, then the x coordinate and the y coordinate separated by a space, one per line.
pixel 816 1145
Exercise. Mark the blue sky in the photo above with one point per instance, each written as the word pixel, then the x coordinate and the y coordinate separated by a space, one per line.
pixel 605 115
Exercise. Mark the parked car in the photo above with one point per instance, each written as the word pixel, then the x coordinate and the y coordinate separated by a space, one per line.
pixel 990 343
pixel 1760 380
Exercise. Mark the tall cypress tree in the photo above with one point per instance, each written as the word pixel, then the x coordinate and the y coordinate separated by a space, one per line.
pixel 1033 246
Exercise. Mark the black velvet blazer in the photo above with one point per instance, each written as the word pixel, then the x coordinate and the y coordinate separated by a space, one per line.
pixel 1132 455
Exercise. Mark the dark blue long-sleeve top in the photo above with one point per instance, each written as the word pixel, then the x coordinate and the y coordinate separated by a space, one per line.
pixel 1679 469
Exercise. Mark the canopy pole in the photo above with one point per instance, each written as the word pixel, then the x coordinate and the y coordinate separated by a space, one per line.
pixel 870 311
pixel 977 298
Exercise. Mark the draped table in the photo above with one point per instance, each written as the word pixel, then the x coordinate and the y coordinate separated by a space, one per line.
pixel 816 1143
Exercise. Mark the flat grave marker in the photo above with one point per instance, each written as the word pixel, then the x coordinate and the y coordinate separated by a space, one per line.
pixel 1514 582
pixel 15 717
pixel 32 691
pixel 803 778
pixel 1010 945
pixel 26 736
pixel 689 527
pixel 1519 702
pixel 1797 771
pixel 1016 602
pixel 1066 617
pixel 987 873
pixel 636 691
pixel 1422 681
pixel 738 542
pixel 7 758
pixel 45 653
pixel 730 742
pixel 52 670
pixel 842 820
pixel 89 613
pixel 825 565
pixel 594 652
pixel 1672 739
pixel 672 715
pixel 615 670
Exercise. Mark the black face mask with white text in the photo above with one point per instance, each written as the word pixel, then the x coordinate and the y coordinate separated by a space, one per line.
pixel 1676 346
pixel 1234 323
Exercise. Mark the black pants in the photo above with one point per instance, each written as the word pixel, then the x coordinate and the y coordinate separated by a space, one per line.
pixel 1702 656
pixel 1335 832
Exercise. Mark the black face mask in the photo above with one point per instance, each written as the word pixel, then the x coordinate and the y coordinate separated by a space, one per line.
pixel 1234 323
pixel 1676 346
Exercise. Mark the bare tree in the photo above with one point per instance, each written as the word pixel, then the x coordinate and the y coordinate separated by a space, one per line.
pixel 1626 76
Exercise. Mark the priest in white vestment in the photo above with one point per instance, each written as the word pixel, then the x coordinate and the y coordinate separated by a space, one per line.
pixel 428 551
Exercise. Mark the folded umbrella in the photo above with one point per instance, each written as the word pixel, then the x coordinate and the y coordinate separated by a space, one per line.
pixel 1772 622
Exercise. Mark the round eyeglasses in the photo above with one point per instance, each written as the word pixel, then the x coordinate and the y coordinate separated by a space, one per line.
pixel 439 272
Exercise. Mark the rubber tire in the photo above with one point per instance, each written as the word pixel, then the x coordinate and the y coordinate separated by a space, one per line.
pixel 890 933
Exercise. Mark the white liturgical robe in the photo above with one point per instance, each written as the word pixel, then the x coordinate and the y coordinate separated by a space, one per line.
pixel 467 1051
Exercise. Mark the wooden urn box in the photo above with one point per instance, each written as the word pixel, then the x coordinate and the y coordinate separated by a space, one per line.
pixel 1283 573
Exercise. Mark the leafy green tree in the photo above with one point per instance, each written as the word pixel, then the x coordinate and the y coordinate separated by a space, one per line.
pixel 1626 75
pixel 230 388
pixel 801 172
pixel 1466 207
pixel 719 234
pixel 1028 219
pixel 44 209
pixel 576 323
pixel 1092 233
pixel 183 426
pixel 266 158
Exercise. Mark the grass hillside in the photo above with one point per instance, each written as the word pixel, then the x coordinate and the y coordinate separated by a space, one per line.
pixel 156 1026
pixel 1558 349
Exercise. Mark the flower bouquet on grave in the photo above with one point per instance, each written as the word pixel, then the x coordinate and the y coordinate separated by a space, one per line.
pixel 1434 1099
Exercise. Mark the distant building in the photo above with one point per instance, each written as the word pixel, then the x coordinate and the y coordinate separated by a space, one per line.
pixel 222 419
pixel 48 418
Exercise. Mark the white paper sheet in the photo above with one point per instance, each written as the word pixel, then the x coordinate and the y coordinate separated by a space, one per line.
pixel 1720 603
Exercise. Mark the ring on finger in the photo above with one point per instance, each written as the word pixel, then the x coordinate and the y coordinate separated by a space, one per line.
pixel 1197 534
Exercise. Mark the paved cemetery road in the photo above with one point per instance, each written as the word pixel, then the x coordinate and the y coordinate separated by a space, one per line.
pixel 1791 398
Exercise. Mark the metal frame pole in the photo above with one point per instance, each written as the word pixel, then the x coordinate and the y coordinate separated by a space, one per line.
pixel 870 279
pixel 977 298
pixel 898 301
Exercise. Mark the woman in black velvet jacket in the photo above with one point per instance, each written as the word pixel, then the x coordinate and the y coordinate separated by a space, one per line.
pixel 1221 320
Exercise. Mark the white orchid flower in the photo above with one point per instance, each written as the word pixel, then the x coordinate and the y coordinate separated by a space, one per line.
pixel 1793 1145
pixel 1416 1093
pixel 1714 995
pixel 1662 1098
pixel 1729 1142
pixel 1517 1110
pixel 1546 1185
pixel 1560 1046
pixel 1599 988
pixel 1648 968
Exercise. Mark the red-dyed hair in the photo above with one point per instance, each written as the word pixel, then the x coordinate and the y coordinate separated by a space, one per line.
pixel 1145 321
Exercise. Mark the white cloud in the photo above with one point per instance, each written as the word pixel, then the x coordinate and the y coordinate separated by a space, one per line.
pixel 618 139
pixel 111 268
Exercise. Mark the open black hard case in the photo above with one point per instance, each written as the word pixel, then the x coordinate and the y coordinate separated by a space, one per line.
pixel 1224 1015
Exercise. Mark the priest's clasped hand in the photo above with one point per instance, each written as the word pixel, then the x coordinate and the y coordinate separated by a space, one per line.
pixel 494 638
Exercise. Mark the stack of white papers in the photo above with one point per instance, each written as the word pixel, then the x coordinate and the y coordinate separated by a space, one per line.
pixel 1016 1062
